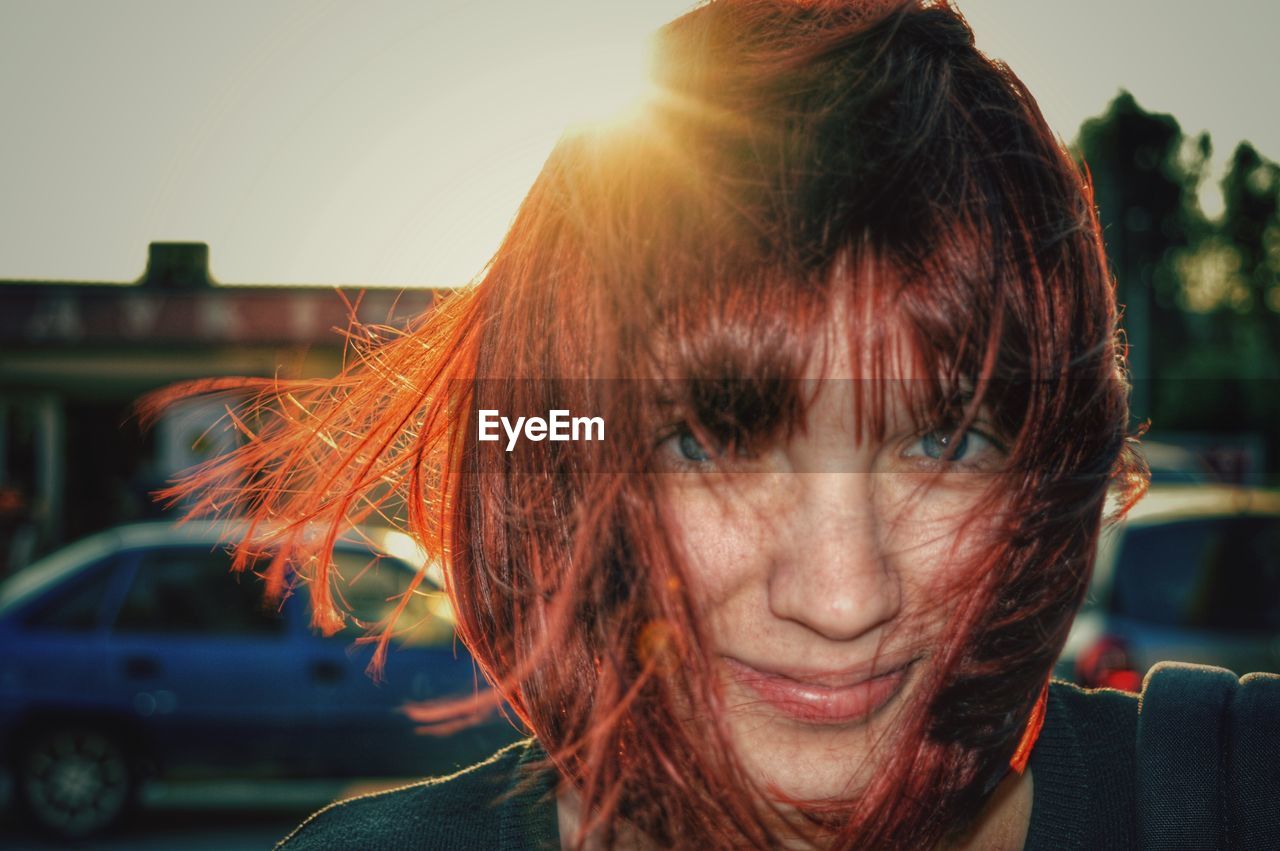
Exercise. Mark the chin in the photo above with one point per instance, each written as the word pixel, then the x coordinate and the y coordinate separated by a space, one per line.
pixel 809 764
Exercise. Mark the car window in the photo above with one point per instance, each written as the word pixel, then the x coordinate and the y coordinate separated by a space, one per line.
pixel 193 590
pixel 1221 574
pixel 371 588
pixel 75 606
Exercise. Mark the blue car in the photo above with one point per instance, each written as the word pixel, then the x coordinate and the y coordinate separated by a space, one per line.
pixel 136 652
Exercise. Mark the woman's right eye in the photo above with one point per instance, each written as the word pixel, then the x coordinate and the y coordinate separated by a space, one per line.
pixel 691 449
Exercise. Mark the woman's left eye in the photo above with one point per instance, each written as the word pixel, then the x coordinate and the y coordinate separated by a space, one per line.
pixel 968 447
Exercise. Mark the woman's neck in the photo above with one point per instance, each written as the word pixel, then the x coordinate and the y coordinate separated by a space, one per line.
pixel 1003 823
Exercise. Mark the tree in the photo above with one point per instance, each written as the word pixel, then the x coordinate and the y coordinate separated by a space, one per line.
pixel 1201 297
pixel 1145 186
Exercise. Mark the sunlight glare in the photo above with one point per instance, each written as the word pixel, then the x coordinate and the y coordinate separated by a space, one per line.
pixel 608 83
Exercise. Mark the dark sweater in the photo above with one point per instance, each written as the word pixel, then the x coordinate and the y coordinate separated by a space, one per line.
pixel 1083 769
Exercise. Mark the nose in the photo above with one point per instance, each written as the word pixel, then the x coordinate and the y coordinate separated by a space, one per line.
pixel 830 571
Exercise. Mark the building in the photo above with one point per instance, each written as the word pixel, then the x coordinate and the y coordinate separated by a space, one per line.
pixel 74 357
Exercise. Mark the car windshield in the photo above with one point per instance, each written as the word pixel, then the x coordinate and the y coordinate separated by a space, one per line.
pixel 1219 573
pixel 48 571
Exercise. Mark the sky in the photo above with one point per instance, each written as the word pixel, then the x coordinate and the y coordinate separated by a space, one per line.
pixel 389 143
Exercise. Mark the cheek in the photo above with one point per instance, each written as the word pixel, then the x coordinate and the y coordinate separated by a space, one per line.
pixel 935 538
pixel 726 533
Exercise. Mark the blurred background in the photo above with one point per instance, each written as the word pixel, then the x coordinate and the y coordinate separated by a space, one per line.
pixel 205 189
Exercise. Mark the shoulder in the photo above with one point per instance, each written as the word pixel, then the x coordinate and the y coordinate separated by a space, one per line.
pixel 1197 753
pixel 1209 754
pixel 1181 706
pixel 463 810
pixel 1209 713
pixel 1173 693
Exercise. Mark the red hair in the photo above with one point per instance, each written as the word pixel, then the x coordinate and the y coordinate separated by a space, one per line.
pixel 802 157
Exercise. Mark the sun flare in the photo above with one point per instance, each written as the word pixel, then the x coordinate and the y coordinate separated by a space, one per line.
pixel 610 84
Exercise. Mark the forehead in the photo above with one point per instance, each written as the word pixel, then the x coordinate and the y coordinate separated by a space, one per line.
pixel 864 339
pixel 872 373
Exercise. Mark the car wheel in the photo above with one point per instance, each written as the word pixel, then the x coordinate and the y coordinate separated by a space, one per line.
pixel 75 781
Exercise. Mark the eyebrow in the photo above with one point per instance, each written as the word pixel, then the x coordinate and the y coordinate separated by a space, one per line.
pixel 750 407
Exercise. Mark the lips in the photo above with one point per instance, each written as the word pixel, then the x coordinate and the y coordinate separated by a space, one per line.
pixel 823 697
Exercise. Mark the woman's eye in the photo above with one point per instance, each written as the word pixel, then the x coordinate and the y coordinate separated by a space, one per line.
pixel 968 447
pixel 683 448
pixel 690 449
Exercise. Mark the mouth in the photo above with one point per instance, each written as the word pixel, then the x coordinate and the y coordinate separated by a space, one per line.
pixel 824 697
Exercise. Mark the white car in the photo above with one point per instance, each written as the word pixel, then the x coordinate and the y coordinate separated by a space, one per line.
pixel 1192 575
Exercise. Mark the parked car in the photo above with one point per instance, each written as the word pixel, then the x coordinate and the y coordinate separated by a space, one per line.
pixel 1175 465
pixel 1192 575
pixel 136 652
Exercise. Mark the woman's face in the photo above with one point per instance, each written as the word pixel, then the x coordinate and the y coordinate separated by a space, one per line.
pixel 823 567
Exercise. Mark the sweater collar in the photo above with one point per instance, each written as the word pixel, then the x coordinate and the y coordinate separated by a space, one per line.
pixel 528 817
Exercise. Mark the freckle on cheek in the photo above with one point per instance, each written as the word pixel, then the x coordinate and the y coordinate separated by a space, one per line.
pixel 721 547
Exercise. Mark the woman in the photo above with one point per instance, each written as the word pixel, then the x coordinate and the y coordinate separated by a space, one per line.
pixel 839 299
